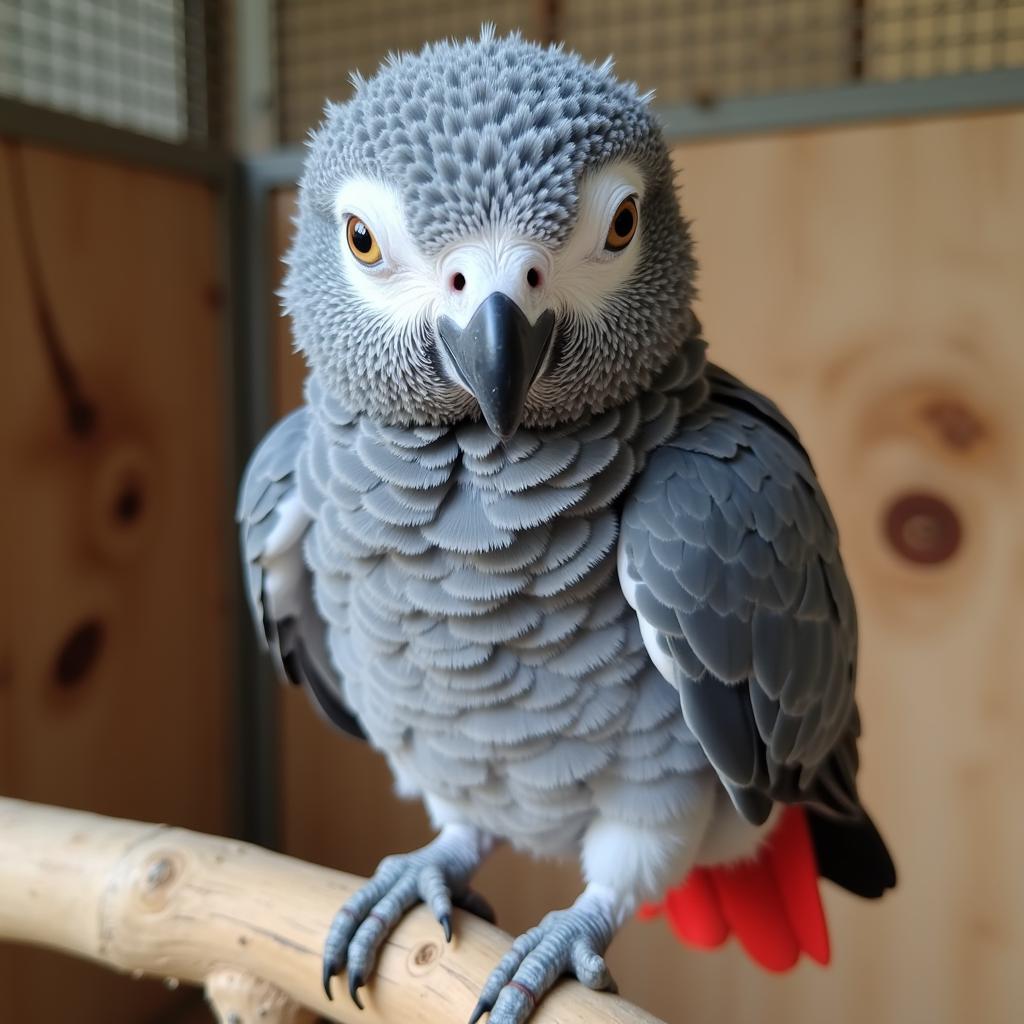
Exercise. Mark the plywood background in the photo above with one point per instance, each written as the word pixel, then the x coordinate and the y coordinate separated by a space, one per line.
pixel 114 626
pixel 870 279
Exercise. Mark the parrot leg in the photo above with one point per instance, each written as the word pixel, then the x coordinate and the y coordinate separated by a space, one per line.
pixel 571 941
pixel 437 875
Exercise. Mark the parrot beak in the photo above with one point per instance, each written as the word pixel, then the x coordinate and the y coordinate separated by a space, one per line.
pixel 497 355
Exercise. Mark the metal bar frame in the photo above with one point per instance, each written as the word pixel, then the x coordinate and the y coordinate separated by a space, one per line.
pixel 844 104
pixel 252 403
pixel 64 131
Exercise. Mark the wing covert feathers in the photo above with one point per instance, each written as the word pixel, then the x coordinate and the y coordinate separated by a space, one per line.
pixel 272 523
pixel 730 556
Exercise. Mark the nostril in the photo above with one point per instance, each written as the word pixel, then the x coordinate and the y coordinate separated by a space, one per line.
pixel 458 282
pixel 533 277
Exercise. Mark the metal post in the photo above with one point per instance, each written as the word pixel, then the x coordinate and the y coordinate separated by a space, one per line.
pixel 255 690
pixel 255 95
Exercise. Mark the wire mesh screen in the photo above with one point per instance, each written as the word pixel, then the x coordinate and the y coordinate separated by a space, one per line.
pixel 146 65
pixel 321 42
pixel 688 51
pixel 702 50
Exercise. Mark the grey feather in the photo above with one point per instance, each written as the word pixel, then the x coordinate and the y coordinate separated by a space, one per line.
pixel 294 631
pixel 753 604
pixel 476 625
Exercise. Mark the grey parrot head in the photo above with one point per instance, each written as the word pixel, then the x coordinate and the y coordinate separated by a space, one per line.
pixel 488 228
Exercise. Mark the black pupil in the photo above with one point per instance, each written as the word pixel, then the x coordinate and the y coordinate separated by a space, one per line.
pixel 361 238
pixel 624 222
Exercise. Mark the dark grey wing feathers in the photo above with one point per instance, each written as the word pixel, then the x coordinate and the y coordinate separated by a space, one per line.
pixel 730 556
pixel 272 524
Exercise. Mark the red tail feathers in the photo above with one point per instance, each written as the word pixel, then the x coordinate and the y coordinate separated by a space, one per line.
pixel 770 904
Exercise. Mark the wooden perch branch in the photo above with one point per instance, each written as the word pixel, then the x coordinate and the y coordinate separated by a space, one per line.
pixel 246 923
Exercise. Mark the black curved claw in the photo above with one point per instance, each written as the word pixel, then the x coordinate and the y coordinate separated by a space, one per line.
pixel 482 1007
pixel 355 983
pixel 327 976
pixel 446 924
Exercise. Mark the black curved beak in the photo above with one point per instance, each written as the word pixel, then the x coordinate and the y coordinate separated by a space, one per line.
pixel 497 355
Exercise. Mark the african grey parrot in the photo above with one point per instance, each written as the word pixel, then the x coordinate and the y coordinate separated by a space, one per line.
pixel 578 585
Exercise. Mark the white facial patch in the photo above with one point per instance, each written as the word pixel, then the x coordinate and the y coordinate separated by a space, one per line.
pixel 407 289
pixel 403 287
pixel 585 273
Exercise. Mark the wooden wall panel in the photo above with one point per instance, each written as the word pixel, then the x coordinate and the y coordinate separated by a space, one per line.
pixel 869 279
pixel 113 682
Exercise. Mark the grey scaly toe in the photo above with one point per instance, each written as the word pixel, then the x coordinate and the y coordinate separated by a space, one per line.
pixel 438 875
pixel 569 941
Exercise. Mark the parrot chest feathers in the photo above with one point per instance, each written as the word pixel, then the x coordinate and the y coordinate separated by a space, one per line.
pixel 475 616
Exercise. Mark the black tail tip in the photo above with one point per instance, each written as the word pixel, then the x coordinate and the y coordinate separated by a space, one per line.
pixel 853 855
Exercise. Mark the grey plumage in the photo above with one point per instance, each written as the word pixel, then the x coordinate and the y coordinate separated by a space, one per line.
pixel 294 631
pixel 497 631
pixel 761 627
pixel 621 628
pixel 473 614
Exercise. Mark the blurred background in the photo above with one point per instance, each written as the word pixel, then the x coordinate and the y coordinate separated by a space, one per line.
pixel 855 173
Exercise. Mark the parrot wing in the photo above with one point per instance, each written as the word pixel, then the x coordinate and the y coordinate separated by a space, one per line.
pixel 273 522
pixel 729 555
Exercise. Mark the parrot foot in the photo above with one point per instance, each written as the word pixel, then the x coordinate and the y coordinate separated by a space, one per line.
pixel 569 941
pixel 437 875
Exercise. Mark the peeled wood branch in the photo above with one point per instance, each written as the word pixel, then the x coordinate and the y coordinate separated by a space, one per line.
pixel 246 923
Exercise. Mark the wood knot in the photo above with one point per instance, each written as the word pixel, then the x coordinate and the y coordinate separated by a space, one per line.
pixel 923 528
pixel 159 874
pixel 424 957
pixel 425 954
pixel 79 653
pixel 122 499
pixel 956 424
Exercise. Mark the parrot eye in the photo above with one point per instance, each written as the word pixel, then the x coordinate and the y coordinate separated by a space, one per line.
pixel 623 225
pixel 362 243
